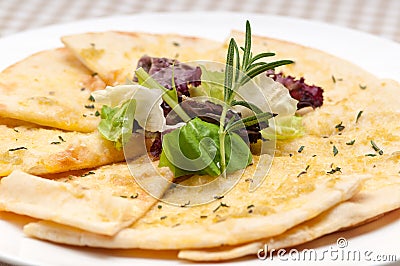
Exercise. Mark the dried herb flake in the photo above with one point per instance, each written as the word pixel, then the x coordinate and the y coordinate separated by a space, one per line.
pixel 359 115
pixel 335 150
pixel 340 126
pixel 88 173
pixel 17 149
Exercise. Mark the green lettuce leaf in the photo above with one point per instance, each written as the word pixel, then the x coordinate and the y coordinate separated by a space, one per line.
pixel 212 84
pixel 195 149
pixel 117 122
pixel 284 128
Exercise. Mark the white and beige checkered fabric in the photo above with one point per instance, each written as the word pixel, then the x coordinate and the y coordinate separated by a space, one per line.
pixel 379 17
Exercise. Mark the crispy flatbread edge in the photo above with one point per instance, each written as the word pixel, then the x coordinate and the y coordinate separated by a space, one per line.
pixel 95 211
pixel 356 210
pixel 212 236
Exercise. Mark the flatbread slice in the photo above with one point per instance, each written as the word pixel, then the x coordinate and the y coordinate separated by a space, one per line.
pixel 37 150
pixel 103 200
pixel 50 88
pixel 365 109
pixel 114 55
pixel 371 200
pixel 281 202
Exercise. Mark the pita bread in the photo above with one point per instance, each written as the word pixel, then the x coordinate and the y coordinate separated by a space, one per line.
pixel 38 150
pixel 225 221
pixel 50 88
pixel 102 201
pixel 114 55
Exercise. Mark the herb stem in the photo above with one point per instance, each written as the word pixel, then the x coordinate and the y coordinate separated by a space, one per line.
pixel 222 134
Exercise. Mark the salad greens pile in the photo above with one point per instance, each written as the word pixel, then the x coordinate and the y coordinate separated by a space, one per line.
pixel 196 145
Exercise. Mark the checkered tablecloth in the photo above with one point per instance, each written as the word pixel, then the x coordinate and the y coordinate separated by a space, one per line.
pixel 378 17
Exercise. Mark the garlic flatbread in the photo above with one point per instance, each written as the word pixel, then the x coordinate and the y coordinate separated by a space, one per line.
pixel 50 88
pixel 371 201
pixel 103 200
pixel 114 55
pixel 359 118
pixel 37 150
pixel 280 203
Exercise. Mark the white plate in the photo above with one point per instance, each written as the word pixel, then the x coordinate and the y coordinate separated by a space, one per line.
pixel 379 56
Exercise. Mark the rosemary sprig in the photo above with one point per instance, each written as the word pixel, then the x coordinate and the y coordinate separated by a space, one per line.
pixel 236 75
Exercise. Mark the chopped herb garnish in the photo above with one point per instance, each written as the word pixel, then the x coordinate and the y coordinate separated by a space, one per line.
pixel 17 149
pixel 185 204
pixel 304 171
pixel 250 206
pixel 97 113
pixel 376 148
pixel 359 115
pixel 334 170
pixel 351 142
pixel 203 216
pixel 84 115
pixel 89 106
pixel 134 196
pixel 83 89
pixel 55 142
pixel 176 44
pixel 335 150
pixel 218 197
pixel 16 130
pixel 336 79
pixel 88 173
pixel 61 138
pixel 94 74
pixel 159 206
pixel 221 204
pixel 300 149
pixel 249 180
pixel 301 173
pixel 370 154
pixel 123 196
pixel 163 217
pixel 363 87
pixel 340 126
pixel 91 98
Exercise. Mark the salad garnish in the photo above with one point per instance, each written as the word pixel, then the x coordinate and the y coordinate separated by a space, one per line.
pixel 202 121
